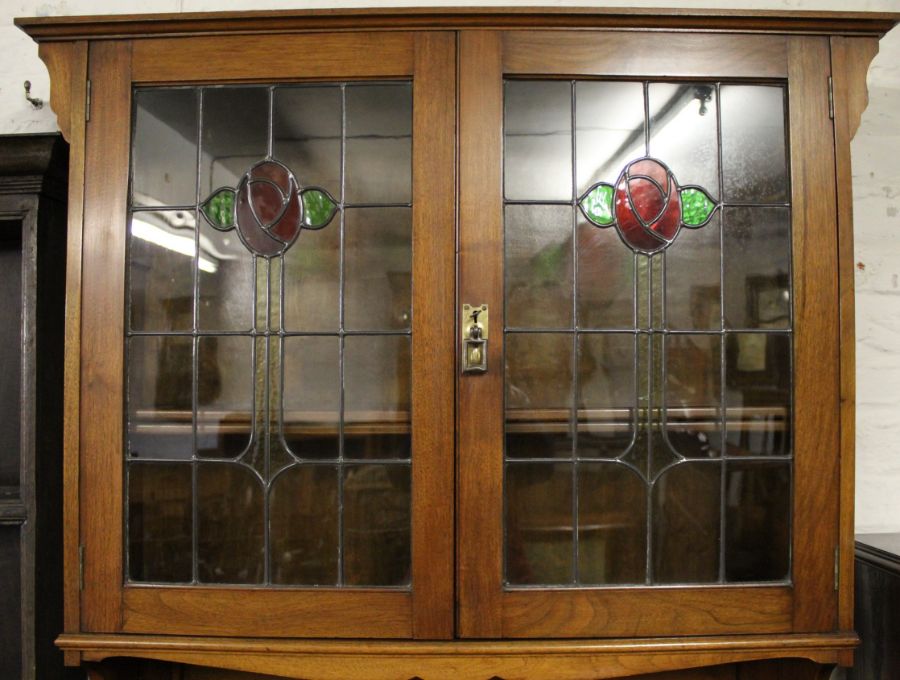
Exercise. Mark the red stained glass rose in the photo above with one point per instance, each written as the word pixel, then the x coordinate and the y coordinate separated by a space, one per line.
pixel 647 205
pixel 268 208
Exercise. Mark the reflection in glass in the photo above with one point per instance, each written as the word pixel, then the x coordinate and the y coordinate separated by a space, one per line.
pixel 312 396
pixel 538 395
pixel 159 522
pixel 693 279
pixel 758 394
pixel 160 390
pixel 754 153
pixel 303 521
pixel 235 134
pixel 539 523
pixel 612 525
pixel 377 266
pixel 683 131
pixel 539 267
pixel 606 394
pixel 686 502
pixel 312 281
pixel 164 148
pixel 605 285
pixel 229 524
pixel 757 268
pixel 306 134
pixel 609 118
pixel 758 536
pixel 378 153
pixel 377 383
pixel 693 395
pixel 224 395
pixel 537 141
pixel 226 288
pixel 161 256
pixel 377 525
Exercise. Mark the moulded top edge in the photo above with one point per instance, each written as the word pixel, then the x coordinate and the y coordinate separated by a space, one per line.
pixel 397 18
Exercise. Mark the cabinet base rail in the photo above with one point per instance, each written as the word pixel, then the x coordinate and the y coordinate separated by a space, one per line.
pixel 452 660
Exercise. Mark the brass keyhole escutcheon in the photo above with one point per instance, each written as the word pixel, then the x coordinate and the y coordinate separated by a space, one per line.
pixel 474 338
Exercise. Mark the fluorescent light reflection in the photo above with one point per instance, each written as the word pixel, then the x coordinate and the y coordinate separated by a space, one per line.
pixel 152 233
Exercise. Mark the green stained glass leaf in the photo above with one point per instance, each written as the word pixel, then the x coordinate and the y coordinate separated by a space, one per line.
pixel 218 209
pixel 696 207
pixel 597 204
pixel 318 208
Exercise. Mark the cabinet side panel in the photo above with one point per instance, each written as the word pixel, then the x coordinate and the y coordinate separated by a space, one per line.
pixel 103 284
pixel 850 59
pixel 67 63
pixel 816 347
pixel 480 444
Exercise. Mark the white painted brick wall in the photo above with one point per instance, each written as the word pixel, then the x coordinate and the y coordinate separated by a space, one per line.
pixel 876 187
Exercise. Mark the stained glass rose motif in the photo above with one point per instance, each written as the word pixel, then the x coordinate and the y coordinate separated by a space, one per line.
pixel 268 208
pixel 647 206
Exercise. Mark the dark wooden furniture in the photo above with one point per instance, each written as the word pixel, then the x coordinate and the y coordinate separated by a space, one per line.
pixel 877 607
pixel 460 618
pixel 32 247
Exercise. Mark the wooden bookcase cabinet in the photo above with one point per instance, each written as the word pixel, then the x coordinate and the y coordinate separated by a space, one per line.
pixel 458 620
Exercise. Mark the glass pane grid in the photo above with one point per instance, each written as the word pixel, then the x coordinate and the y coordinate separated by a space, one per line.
pixel 708 436
pixel 257 511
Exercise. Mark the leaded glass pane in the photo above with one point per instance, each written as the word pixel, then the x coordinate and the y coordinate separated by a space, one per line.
pixel 537 141
pixel 675 368
pixel 160 522
pixel 268 342
pixel 164 149
pixel 540 534
pixel 539 268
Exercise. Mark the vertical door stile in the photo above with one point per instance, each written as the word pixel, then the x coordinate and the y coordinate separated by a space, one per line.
pixel 434 347
pixel 480 405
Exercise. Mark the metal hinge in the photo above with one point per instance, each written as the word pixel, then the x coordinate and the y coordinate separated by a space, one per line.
pixel 87 102
pixel 81 567
pixel 837 567
pixel 831 97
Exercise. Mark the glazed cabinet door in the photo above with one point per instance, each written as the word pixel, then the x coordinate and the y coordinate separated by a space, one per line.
pixel 267 349
pixel 653 448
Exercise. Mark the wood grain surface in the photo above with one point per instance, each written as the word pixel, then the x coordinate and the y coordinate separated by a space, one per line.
pixel 259 58
pixel 643 55
pixel 434 345
pixel 480 406
pixel 102 327
pixel 850 59
pixel 67 64
pixel 816 336
pixel 523 660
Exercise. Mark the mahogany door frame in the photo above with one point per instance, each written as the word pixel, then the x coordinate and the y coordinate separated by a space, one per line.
pixel 485 608
pixel 107 604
